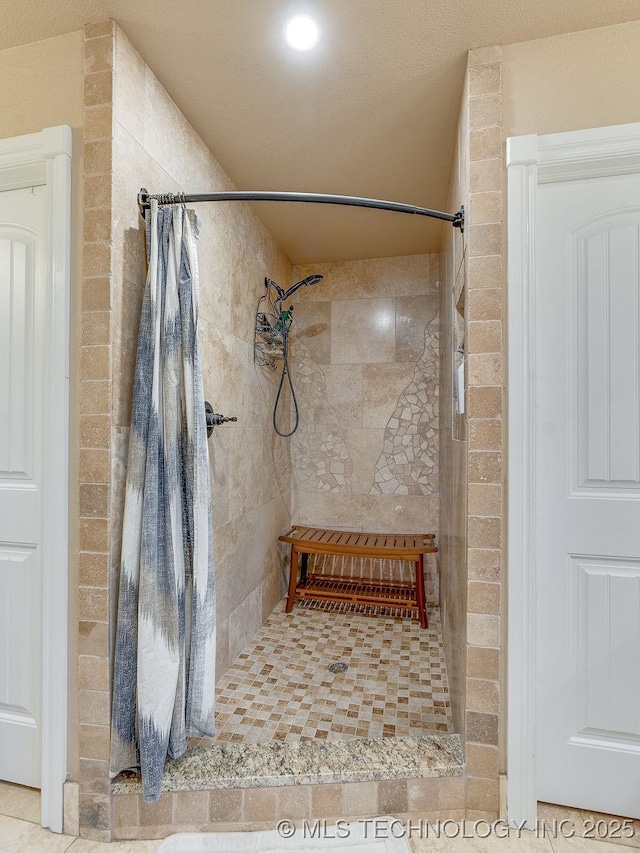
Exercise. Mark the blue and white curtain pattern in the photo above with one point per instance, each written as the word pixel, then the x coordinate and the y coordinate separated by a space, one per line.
pixel 164 668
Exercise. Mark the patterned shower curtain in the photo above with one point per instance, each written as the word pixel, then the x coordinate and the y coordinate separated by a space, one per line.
pixel 164 668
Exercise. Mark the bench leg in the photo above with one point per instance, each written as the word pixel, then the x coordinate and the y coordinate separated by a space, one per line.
pixel 420 596
pixel 293 579
pixel 304 562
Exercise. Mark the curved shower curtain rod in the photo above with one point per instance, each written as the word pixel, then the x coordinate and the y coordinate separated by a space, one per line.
pixel 144 198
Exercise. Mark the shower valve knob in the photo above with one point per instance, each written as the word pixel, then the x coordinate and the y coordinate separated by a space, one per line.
pixel 214 419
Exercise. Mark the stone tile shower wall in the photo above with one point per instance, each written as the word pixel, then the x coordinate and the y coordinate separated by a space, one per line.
pixel 473 488
pixel 365 367
pixel 136 136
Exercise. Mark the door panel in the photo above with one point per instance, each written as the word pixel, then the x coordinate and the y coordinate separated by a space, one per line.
pixel 22 295
pixel 588 493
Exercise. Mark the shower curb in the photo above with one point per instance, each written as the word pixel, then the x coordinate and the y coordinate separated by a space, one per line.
pixel 275 764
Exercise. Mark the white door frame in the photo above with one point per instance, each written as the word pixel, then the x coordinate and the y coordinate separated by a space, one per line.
pixel 45 158
pixel 534 160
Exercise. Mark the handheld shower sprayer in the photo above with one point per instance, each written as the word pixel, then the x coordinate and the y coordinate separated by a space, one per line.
pixel 306 282
pixel 272 338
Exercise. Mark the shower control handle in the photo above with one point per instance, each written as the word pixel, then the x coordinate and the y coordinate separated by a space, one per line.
pixel 214 419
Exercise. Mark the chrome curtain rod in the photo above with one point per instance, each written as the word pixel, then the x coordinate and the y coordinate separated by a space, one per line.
pixel 144 199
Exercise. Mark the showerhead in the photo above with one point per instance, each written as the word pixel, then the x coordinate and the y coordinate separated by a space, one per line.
pixel 306 282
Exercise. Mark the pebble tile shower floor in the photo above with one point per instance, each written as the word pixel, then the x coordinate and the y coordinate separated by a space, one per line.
pixel 281 688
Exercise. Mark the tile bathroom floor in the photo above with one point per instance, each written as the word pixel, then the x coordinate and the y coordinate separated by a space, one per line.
pixel 24 834
pixel 281 687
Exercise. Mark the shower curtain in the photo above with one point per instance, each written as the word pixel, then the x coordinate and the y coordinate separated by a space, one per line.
pixel 164 665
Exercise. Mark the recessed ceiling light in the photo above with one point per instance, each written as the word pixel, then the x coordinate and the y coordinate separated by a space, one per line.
pixel 301 32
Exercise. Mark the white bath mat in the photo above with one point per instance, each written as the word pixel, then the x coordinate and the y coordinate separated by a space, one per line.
pixel 369 835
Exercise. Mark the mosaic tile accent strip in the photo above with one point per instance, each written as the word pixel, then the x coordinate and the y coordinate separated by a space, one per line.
pixel 321 460
pixel 408 464
pixel 280 687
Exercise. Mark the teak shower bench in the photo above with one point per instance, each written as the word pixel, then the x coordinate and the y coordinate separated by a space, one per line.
pixel 381 593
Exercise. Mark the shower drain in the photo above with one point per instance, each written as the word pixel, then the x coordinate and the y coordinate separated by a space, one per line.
pixel 338 667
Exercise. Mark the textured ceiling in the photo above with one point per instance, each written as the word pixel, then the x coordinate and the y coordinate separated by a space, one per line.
pixel 371 111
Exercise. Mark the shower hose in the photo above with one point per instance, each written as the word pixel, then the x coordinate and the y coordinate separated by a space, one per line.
pixel 286 374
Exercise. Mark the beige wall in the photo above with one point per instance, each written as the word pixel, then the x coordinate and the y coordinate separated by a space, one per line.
pixel 572 81
pixel 365 354
pixel 42 87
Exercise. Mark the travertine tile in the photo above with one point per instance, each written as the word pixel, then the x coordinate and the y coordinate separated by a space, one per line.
pixel 98 88
pixel 483 630
pixel 98 54
pixel 485 79
pixel 158 813
pixel 485 55
pixel 294 802
pixel 485 402
pixel 485 176
pixel 482 760
pixel 96 260
pixel 92 604
pixel 484 499
pixel 94 776
pixel 485 368
pixel 482 794
pixel 363 331
pixel 485 111
pixel 483 663
pixel 259 804
pixel 97 159
pixel 483 597
pixel 423 795
pixel 485 207
pixel 93 639
pixel 94 467
pixel 97 125
pixel 94 500
pixel 326 801
pixel 484 532
pixel 360 798
pixel 483 695
pixel 97 190
pixel 485 435
pixel 485 304
pixel 191 807
pixel 485 467
pixel 93 672
pixel 482 728
pixel 382 384
pixel 412 315
pixel 484 336
pixel 313 327
pixel 393 796
pixel 99 28
pixel 225 805
pixel 96 294
pixel 485 143
pixel 94 743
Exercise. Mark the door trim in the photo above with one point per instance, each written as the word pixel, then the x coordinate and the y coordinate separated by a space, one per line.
pixel 45 158
pixel 533 160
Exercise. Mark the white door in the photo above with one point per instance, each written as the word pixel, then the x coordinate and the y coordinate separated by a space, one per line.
pixel 587 475
pixel 22 302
